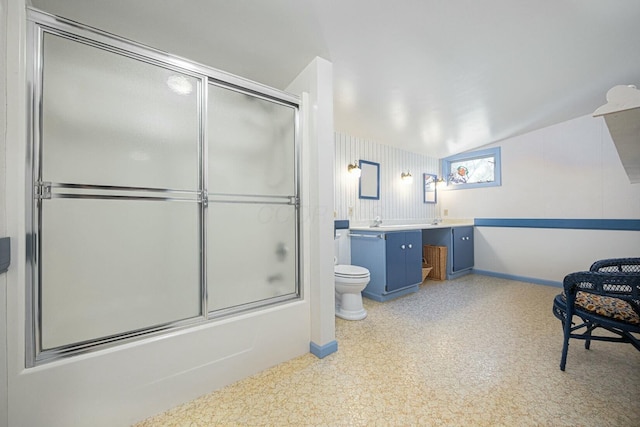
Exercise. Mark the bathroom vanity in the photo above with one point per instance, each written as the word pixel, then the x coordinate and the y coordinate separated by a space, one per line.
pixel 394 260
pixel 393 255
pixel 459 243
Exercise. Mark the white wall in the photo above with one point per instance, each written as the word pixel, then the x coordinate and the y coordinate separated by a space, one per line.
pixel 570 170
pixel 3 215
pixel 317 163
pixel 398 201
pixel 124 384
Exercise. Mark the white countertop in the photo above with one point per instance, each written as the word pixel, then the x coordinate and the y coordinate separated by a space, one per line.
pixel 403 227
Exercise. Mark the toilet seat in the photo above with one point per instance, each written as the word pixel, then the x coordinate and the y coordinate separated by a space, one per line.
pixel 351 272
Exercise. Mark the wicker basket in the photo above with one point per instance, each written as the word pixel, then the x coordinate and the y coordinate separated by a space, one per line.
pixel 437 257
pixel 426 269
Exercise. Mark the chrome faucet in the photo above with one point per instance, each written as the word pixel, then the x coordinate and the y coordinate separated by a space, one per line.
pixel 377 221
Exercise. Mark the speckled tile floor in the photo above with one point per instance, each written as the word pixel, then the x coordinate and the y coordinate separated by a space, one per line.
pixel 476 351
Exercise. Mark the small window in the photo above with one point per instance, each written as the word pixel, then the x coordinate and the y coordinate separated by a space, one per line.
pixel 473 170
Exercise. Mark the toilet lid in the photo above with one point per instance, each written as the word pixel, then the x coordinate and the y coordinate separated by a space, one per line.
pixel 350 271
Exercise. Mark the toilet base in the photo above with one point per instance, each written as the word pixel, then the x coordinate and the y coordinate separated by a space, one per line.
pixel 351 315
pixel 349 306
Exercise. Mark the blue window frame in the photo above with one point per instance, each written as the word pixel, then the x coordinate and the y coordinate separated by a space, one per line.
pixel 473 170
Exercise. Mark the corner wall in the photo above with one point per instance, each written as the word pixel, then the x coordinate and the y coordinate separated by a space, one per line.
pixel 315 85
pixel 571 171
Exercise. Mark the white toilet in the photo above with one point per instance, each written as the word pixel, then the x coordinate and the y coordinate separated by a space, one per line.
pixel 350 280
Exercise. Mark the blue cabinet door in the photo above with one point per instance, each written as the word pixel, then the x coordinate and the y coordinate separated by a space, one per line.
pixel 404 259
pixel 395 257
pixel 413 257
pixel 462 248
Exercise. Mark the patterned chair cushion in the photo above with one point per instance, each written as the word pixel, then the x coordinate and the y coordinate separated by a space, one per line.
pixel 613 308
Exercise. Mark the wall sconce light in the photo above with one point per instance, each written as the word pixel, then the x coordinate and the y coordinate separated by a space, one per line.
pixel 406 177
pixel 441 183
pixel 354 169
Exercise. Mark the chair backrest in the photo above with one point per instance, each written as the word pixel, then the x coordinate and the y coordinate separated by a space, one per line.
pixel 612 265
pixel 615 277
pixel 612 284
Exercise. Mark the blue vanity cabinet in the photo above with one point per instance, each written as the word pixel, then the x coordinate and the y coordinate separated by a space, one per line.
pixel 394 260
pixel 459 243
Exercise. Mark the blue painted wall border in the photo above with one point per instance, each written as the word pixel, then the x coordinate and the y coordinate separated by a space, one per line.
pixel 582 224
pixel 322 351
pixel 519 278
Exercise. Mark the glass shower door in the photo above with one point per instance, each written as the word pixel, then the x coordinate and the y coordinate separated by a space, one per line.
pixel 253 207
pixel 164 192
pixel 118 195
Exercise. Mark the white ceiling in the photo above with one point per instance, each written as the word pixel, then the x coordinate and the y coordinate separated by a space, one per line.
pixel 431 76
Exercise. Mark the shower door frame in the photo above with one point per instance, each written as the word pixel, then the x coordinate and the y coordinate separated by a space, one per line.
pixel 40 23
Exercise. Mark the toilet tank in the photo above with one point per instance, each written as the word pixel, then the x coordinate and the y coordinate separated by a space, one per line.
pixel 342 247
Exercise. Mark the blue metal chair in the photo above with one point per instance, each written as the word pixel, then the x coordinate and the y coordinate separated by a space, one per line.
pixel 605 297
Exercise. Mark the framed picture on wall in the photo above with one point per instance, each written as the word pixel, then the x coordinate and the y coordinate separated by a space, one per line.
pixel 429 183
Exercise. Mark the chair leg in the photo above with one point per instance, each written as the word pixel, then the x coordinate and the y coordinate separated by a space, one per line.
pixel 587 341
pixel 633 340
pixel 565 344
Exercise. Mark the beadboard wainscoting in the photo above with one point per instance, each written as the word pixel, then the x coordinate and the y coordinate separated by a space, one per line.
pixel 398 200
